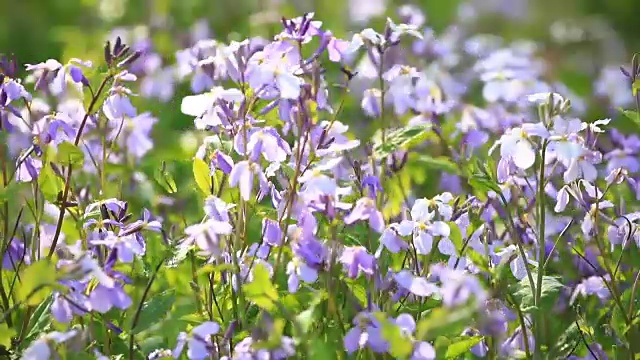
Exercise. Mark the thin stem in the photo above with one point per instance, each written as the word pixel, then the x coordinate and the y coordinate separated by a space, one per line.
pixel 541 249
pixel 136 317
pixel 67 181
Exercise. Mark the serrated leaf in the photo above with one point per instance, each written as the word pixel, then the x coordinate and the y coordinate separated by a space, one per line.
pixel 461 346
pixel 441 163
pixel 49 183
pixel 69 154
pixel 550 287
pixel 157 307
pixel 261 291
pixel 398 139
pixel 35 278
pixel 201 174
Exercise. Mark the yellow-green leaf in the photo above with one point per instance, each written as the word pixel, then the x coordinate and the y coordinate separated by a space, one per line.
pixel 49 183
pixel 69 154
pixel 35 278
pixel 261 291
pixel 6 334
pixel 201 174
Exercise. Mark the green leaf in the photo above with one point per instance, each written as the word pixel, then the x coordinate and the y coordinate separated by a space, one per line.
pixel 165 180
pixel 69 154
pixel 441 163
pixel 261 291
pixel 400 346
pixel 155 309
pixel 6 334
pixel 40 320
pixel 50 184
pixel 398 139
pixel 456 236
pixel 549 289
pixel 442 321
pixel 35 278
pixel 201 174
pixel 461 346
pixel 632 115
pixel 634 87
pixel 306 318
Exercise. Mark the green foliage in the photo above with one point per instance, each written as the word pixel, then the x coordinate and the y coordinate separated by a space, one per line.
pixel 551 286
pixel 461 346
pixel 33 282
pixel 261 291
pixel 69 154
pixel 444 322
pixel 50 184
pixel 201 174
pixel 399 139
pixel 6 334
pixel 154 309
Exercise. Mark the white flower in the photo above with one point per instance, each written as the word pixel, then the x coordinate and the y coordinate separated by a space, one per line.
pixel 198 105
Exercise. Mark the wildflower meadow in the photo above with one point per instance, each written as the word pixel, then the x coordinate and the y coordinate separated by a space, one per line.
pixel 385 190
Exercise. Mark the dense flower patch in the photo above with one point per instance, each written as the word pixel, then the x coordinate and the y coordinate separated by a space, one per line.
pixel 486 217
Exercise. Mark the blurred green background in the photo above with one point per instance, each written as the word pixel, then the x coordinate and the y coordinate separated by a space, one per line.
pixel 35 30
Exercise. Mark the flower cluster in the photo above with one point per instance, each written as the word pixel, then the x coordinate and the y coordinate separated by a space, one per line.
pixel 488 215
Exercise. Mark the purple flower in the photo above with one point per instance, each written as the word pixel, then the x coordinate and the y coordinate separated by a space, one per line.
pixel 118 105
pixel 17 255
pixel 371 102
pixel 593 285
pixel 458 287
pixel 271 232
pixel 401 89
pixel 242 175
pixel 297 269
pixel 422 350
pixel 392 241
pixel 198 342
pixel 126 247
pixel 102 298
pixel 44 347
pixel 205 236
pixel 28 169
pixel 356 259
pixel 63 310
pixel 422 226
pixel 418 286
pixel 366 332
pixel 267 141
pixel 217 209
pixel 276 65
pixel 365 209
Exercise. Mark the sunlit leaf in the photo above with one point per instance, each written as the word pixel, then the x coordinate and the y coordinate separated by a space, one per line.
pixel 261 291
pixel 461 346
pixel 35 278
pixel 49 183
pixel 69 154
pixel 201 174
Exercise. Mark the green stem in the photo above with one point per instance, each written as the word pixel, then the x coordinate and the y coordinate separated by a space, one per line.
pixel 67 182
pixel 540 324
